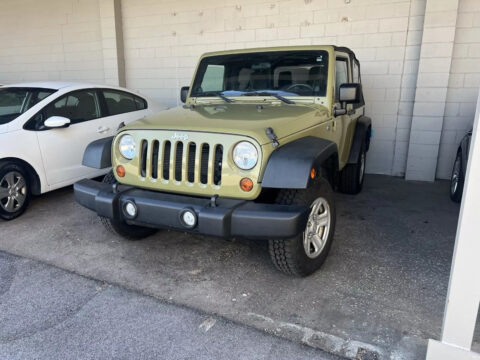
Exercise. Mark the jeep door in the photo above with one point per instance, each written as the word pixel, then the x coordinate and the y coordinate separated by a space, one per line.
pixel 345 124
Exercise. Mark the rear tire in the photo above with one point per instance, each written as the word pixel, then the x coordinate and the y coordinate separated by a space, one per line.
pixel 457 181
pixel 14 190
pixel 352 175
pixel 304 254
pixel 130 232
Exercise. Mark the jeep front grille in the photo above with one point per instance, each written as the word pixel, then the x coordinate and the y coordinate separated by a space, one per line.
pixel 181 161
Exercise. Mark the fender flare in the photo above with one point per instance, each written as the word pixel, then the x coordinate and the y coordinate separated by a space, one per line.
pixel 289 166
pixel 363 132
pixel 98 154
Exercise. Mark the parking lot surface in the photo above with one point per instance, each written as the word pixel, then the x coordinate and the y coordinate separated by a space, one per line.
pixel 49 313
pixel 382 289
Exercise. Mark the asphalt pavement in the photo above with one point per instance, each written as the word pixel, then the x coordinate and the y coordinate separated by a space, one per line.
pixel 50 313
pixel 381 290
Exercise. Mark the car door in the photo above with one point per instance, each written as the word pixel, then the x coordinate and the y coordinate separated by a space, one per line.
pixel 344 124
pixel 93 114
pixel 62 148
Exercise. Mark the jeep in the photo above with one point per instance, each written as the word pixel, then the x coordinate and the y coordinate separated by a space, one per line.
pixel 262 140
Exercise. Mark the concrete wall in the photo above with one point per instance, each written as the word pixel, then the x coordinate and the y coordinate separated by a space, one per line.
pixel 162 40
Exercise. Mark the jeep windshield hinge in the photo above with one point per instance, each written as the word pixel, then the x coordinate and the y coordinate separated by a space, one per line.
pixel 272 136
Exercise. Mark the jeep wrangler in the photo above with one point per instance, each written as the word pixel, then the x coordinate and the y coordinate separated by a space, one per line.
pixel 263 138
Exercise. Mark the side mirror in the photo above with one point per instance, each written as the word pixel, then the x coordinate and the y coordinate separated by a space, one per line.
pixel 350 93
pixel 57 122
pixel 184 93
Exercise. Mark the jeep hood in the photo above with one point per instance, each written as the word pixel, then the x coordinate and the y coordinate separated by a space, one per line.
pixel 236 118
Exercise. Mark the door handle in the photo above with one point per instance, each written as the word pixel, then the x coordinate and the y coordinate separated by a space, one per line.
pixel 102 129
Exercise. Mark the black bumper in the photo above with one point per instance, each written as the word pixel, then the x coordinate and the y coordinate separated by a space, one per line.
pixel 229 218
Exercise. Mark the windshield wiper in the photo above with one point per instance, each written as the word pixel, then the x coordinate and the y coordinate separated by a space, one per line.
pixel 218 94
pixel 268 93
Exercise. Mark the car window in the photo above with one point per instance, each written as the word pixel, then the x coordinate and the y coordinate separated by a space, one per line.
pixel 78 106
pixel 356 72
pixel 119 102
pixel 284 73
pixel 140 103
pixel 341 75
pixel 15 101
pixel 213 78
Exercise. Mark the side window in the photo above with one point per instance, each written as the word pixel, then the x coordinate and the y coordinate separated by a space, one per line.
pixel 341 75
pixel 140 103
pixel 213 78
pixel 356 72
pixel 36 97
pixel 78 106
pixel 119 102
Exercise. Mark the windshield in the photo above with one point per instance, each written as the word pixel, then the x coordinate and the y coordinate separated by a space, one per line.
pixel 285 73
pixel 15 101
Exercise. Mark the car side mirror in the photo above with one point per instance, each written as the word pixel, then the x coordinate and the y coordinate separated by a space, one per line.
pixel 350 93
pixel 184 93
pixel 57 122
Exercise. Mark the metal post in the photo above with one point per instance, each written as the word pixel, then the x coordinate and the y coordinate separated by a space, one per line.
pixel 463 296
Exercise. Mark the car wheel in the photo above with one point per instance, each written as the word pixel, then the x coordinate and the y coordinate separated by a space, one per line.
pixel 457 180
pixel 305 253
pixel 14 191
pixel 353 175
pixel 130 232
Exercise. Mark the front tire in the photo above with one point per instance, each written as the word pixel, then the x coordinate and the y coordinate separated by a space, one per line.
pixel 352 175
pixel 14 190
pixel 130 232
pixel 457 180
pixel 305 253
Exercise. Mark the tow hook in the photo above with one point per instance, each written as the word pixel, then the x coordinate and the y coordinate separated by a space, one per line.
pixel 213 201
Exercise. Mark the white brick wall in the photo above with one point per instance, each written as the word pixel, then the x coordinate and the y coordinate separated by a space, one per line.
pixel 177 33
pixel 76 40
pixel 431 89
pixel 50 40
pixel 463 84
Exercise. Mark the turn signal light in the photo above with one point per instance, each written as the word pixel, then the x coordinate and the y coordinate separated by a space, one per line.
pixel 246 184
pixel 120 171
pixel 313 172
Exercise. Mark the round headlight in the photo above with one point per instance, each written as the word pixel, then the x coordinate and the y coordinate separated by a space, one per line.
pixel 127 147
pixel 245 155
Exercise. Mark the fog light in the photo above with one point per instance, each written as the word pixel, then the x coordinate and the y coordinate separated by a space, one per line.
pixel 130 209
pixel 188 218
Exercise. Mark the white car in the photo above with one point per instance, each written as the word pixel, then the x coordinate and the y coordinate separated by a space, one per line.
pixel 45 128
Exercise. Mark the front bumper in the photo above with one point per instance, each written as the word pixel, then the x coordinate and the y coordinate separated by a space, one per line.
pixel 229 218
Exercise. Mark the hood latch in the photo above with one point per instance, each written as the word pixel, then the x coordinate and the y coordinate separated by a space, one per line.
pixel 272 136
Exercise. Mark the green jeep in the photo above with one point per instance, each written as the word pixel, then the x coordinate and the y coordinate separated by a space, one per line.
pixel 263 137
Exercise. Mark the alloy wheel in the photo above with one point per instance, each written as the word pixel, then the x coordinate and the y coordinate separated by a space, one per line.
pixel 316 233
pixel 455 175
pixel 13 191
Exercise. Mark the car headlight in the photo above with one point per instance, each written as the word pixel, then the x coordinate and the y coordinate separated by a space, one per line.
pixel 127 147
pixel 245 155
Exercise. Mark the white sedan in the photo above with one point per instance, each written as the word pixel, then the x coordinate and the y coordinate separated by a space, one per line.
pixel 45 128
